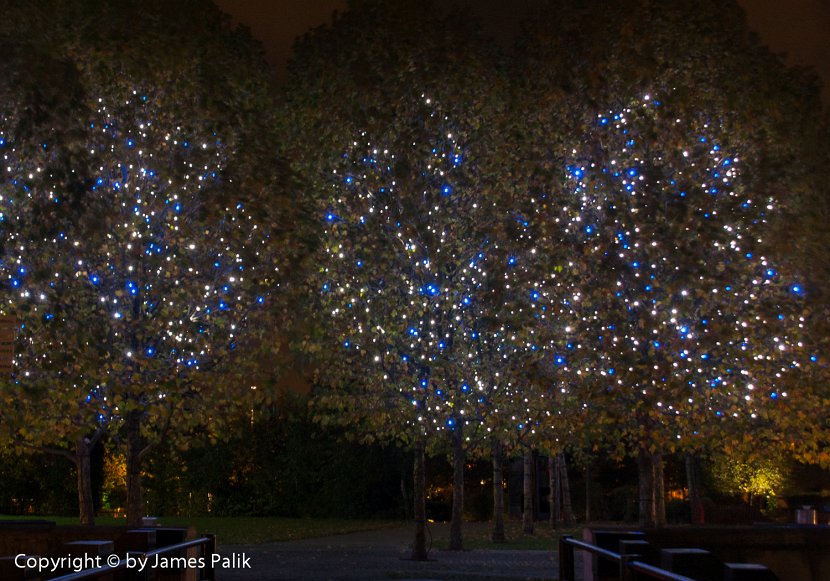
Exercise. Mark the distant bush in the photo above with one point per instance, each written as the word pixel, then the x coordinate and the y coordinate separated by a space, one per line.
pixel 282 464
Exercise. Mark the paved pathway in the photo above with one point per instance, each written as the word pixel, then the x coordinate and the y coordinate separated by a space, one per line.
pixel 383 554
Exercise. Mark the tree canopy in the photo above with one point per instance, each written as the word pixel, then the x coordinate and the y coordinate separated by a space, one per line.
pixel 142 226
pixel 664 296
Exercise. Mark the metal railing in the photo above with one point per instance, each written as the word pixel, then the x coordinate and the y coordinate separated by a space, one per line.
pixel 655 572
pixel 628 566
pixel 207 572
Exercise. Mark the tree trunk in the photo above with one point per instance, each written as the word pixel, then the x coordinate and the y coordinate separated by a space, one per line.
pixel 554 499
pixel 498 493
pixel 83 451
pixel 589 492
pixel 458 460
pixel 419 547
pixel 407 498
pixel 659 491
pixel 527 489
pixel 565 484
pixel 135 509
pixel 693 482
pixel 645 469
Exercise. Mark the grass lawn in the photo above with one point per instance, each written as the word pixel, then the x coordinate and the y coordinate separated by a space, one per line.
pixel 477 536
pixel 257 530
pixel 246 530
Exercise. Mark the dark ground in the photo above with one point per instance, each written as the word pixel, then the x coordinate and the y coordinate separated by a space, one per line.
pixel 383 554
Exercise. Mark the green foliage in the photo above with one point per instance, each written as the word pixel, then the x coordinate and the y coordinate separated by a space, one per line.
pixel 282 464
pixel 701 62
pixel 529 126
pixel 386 97
pixel 364 72
pixel 150 223
pixel 749 474
pixel 39 484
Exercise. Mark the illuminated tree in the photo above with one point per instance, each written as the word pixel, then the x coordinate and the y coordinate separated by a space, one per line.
pixel 749 472
pixel 353 80
pixel 721 84
pixel 147 283
pixel 136 167
pixel 423 284
pixel 684 323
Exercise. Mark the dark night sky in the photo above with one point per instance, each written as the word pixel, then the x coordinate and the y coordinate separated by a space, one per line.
pixel 799 28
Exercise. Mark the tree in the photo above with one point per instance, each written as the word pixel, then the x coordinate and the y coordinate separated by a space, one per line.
pixel 586 76
pixel 147 285
pixel 758 476
pixel 685 320
pixel 358 77
pixel 422 284
pixel 132 258
pixel 348 77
